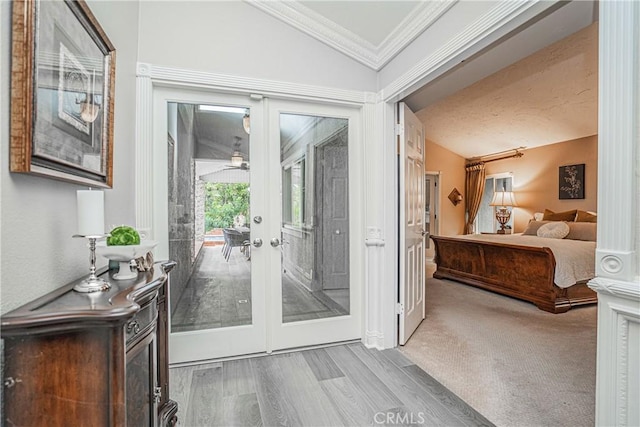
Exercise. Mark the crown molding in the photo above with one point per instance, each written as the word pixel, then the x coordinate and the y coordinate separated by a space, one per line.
pixel 334 35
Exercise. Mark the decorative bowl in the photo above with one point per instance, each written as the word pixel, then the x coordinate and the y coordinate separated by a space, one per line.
pixel 124 255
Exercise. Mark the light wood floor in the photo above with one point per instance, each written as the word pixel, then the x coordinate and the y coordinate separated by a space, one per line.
pixel 344 385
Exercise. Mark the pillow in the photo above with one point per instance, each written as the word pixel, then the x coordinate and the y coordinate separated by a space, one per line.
pixel 538 216
pixel 559 216
pixel 532 228
pixel 584 216
pixel 554 230
pixel 582 231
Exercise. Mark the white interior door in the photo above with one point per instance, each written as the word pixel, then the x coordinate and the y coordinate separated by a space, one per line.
pixel 318 267
pixel 412 232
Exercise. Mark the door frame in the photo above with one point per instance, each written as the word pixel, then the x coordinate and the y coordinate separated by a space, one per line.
pixel 435 208
pixel 152 78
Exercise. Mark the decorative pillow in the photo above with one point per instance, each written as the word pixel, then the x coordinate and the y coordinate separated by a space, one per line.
pixel 582 231
pixel 554 230
pixel 559 216
pixel 538 216
pixel 584 216
pixel 532 228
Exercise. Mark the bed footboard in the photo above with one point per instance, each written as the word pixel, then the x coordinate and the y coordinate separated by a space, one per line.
pixel 518 271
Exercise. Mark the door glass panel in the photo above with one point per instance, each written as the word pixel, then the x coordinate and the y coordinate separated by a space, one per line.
pixel 315 217
pixel 209 200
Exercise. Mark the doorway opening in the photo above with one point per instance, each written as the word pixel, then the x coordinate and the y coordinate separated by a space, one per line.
pixel 449 312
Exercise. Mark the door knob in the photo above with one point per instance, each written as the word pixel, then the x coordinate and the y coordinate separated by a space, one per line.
pixel 257 243
pixel 275 242
pixel 337 231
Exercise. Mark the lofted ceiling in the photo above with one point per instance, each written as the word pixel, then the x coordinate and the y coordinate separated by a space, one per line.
pixel 548 97
pixel 371 32
pixel 535 87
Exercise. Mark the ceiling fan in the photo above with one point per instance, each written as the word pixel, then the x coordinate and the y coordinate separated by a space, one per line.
pixel 237 159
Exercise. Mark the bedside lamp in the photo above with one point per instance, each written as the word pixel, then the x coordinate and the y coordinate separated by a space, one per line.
pixel 503 199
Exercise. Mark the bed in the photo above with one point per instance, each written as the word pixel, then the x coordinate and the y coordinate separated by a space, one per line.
pixel 549 272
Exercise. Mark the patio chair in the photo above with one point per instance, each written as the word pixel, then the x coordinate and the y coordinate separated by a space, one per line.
pixel 233 238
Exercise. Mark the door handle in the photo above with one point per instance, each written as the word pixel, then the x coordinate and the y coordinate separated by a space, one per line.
pixel 257 243
pixel 275 242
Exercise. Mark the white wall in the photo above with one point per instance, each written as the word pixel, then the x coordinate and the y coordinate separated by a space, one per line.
pixel 38 215
pixel 235 38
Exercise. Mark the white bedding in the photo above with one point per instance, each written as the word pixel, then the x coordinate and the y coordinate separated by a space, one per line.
pixel 575 259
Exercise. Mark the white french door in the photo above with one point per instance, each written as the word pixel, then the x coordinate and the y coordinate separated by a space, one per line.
pixel 317 277
pixel 184 154
pixel 296 280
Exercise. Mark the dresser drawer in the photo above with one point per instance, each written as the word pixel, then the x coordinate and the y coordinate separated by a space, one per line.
pixel 143 320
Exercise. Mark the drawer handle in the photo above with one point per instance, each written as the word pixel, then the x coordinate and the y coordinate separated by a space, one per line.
pixel 133 326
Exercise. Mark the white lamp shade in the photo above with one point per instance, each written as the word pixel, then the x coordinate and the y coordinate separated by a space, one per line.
pixel 503 198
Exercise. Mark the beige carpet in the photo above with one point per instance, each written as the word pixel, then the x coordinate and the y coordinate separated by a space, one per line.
pixel 515 364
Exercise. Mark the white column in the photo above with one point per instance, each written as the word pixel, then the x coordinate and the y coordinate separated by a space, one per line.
pixel 374 214
pixel 617 262
pixel 617 139
pixel 144 149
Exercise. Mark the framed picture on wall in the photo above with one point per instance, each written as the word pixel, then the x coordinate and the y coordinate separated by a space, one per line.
pixel 571 182
pixel 62 93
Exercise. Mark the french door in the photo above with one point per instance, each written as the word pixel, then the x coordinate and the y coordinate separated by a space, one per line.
pixel 257 203
pixel 314 151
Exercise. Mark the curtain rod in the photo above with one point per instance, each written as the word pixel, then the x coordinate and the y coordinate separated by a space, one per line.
pixel 478 160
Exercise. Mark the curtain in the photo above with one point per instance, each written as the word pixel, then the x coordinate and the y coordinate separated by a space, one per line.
pixel 474 187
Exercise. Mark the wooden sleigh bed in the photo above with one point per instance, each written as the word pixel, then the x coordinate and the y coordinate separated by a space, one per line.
pixel 523 272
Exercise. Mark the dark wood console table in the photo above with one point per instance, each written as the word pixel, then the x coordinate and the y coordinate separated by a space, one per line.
pixel 97 359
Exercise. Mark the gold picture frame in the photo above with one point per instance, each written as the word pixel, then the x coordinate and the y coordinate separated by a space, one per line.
pixel 62 93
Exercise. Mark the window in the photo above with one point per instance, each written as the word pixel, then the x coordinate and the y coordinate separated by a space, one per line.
pixel 486 220
pixel 294 193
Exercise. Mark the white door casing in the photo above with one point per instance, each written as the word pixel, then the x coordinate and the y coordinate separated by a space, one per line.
pixel 412 255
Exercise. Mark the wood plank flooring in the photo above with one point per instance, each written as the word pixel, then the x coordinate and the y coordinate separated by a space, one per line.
pixel 345 385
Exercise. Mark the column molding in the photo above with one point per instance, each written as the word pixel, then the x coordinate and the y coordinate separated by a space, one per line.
pixel 617 140
pixel 143 149
pixel 617 264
